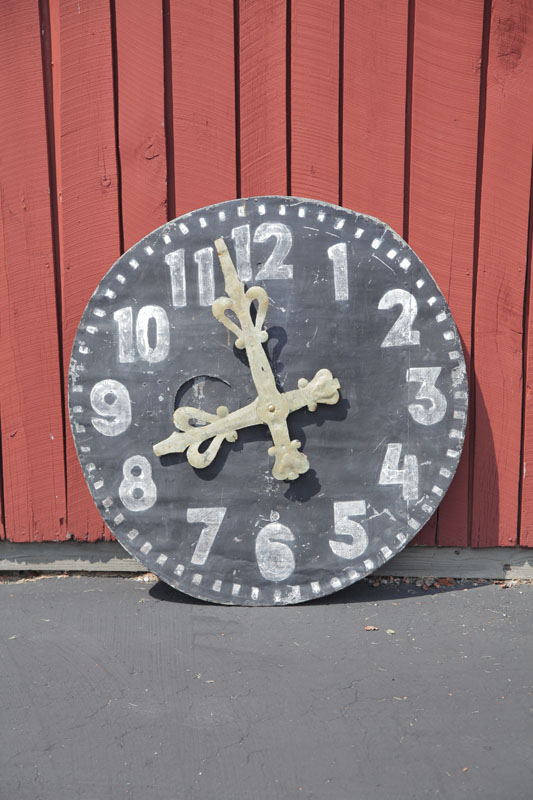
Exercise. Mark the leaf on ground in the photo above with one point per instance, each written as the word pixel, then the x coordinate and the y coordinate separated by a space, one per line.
pixel 371 628
pixel 390 631
pixel 446 581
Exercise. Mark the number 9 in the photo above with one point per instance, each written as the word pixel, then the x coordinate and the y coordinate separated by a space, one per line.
pixel 111 399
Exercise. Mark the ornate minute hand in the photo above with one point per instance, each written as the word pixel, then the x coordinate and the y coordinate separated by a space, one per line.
pixel 271 406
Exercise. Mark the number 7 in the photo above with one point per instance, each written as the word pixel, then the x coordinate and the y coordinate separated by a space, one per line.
pixel 213 520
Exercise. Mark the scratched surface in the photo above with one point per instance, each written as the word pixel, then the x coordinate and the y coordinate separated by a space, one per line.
pixel 118 689
pixel 360 502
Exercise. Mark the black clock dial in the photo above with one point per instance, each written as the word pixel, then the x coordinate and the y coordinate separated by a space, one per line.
pixel 346 294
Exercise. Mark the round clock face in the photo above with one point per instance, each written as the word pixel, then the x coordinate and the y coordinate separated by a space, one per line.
pixel 268 398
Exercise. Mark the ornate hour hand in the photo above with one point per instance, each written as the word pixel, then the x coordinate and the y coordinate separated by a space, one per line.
pixel 271 407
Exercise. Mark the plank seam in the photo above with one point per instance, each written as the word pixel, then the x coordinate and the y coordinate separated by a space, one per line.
pixel 525 353
pixel 408 117
pixel 114 62
pixel 288 77
pixel 487 12
pixel 237 70
pixel 2 498
pixel 341 95
pixel 49 114
pixel 168 111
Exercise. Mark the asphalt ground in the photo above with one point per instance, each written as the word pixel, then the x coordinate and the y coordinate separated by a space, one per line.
pixel 124 688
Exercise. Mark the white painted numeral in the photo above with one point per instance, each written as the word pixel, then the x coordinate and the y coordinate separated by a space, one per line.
pixel 137 491
pixel 206 280
pixel 176 264
pixel 402 332
pixel 427 377
pixel 111 401
pixel 213 520
pixel 274 559
pixel 346 526
pixel 126 347
pixel 407 477
pixel 338 255
pixel 241 237
pixel 161 334
pixel 274 266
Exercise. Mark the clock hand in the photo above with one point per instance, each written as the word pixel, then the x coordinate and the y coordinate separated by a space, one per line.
pixel 223 425
pixel 272 406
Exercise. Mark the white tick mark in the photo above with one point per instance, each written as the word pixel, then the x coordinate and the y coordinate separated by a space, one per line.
pixel 217 586
pixel 315 587
pixel 132 534
pixel 413 523
pixel 432 301
pixel 197 578
pixel 386 552
pixel 458 414
pixel 98 484
pixel 118 519
pixel 358 233
pixel 321 217
pixel 161 559
pixel 146 548
pixel 420 283
pixel 222 215
pixel 235 589
pixel 282 211
pixel 400 538
pixel 133 263
pixel 99 312
pixel 261 209
pixel 254 592
pixel 301 211
pixel 375 244
pixel 335 583
pixel 460 395
pixel 453 354
pixel 438 491
pixel 166 238
pixel 120 278
pixel 107 502
pixel 339 223
pixel 183 228
pixel 405 264
pixel 202 222
pixel 444 472
pixel 149 250
pixel 441 317
pixel 392 254
pixel 110 293
pixel 448 335
pixel 179 570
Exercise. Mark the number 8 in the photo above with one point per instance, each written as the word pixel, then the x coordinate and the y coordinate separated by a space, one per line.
pixel 137 491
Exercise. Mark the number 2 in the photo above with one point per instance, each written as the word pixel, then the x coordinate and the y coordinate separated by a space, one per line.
pixel 402 332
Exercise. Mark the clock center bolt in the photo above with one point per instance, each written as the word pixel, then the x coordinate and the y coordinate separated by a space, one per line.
pixel 272 407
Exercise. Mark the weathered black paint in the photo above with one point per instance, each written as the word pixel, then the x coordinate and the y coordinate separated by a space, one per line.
pixel 308 330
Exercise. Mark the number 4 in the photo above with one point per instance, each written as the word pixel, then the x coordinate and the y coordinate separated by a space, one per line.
pixel 407 477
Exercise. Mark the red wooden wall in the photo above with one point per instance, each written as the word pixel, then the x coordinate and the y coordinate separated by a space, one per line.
pixel 118 114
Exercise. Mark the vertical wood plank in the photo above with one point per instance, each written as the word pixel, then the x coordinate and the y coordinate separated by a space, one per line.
pixel 263 97
pixel 315 85
pixel 89 224
pixel 141 116
pixel 374 104
pixel 444 135
pixel 503 243
pixel 203 82
pixel 30 386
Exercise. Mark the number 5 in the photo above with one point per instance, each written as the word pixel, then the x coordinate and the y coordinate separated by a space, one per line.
pixel 345 526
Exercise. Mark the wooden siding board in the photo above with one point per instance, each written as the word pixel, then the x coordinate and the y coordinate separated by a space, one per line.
pixel 442 197
pixel 30 388
pixel 263 97
pixel 503 240
pixel 203 81
pixel 141 116
pixel 374 106
pixel 88 191
pixel 315 86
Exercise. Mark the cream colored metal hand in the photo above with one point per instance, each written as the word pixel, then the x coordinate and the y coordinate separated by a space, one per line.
pixel 271 407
